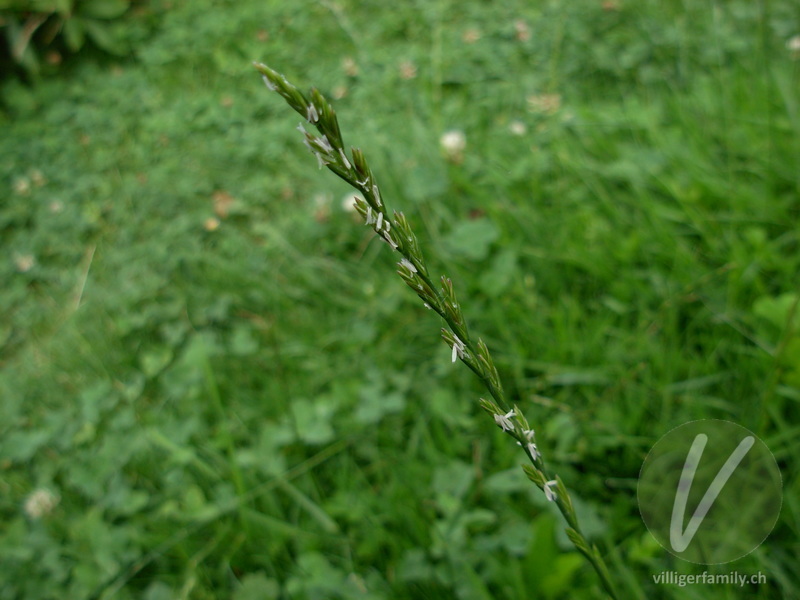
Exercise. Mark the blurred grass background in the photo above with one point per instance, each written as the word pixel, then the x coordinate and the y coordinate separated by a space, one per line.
pixel 213 369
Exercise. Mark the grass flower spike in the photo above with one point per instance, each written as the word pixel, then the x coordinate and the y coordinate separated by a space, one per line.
pixel 393 228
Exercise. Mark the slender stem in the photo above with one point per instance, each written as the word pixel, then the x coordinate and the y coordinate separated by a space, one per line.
pixel 395 231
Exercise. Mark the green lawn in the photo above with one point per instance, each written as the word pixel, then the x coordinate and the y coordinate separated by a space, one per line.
pixel 211 367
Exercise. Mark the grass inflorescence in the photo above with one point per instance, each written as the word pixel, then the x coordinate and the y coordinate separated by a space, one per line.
pixel 394 229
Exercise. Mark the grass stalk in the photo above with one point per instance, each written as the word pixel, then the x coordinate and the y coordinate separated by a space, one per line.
pixel 439 296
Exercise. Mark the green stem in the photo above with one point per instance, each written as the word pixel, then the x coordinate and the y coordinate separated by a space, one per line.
pixel 227 439
pixel 330 152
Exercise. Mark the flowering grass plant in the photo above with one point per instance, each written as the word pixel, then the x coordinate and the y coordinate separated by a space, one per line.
pixel 392 227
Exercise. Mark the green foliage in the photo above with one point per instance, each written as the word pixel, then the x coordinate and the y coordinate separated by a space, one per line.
pixel 38 32
pixel 164 244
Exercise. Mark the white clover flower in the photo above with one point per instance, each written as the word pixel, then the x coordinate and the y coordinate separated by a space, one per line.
pixel 453 143
pixel 349 202
pixel 22 186
pixel 37 177
pixel 350 66
pixel 549 492
pixel 40 502
pixel 321 200
pixel 793 45
pixel 24 262
pixel 517 128
pixel 504 421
